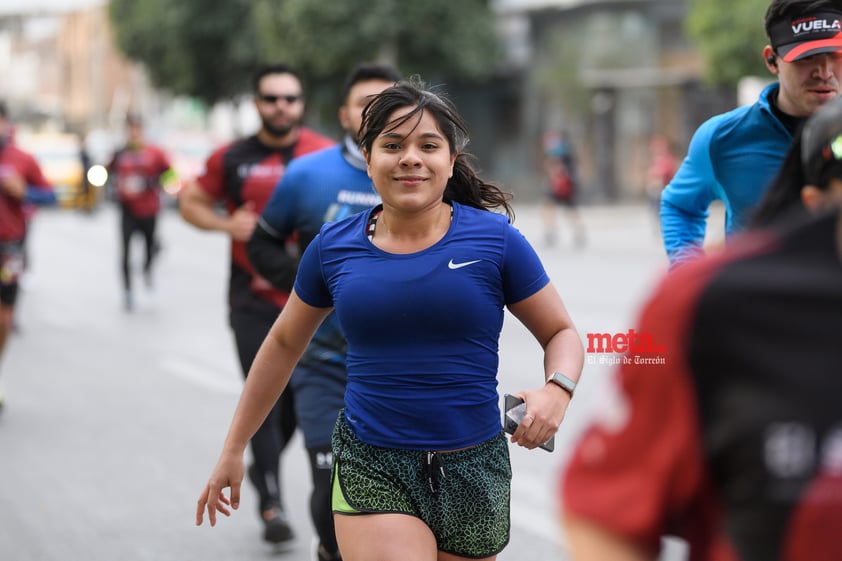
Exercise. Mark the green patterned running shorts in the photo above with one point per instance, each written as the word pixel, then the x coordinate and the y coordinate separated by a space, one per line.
pixel 462 496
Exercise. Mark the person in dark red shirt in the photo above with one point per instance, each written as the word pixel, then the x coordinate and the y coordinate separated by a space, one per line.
pixel 19 172
pixel 136 170
pixel 731 438
pixel 242 176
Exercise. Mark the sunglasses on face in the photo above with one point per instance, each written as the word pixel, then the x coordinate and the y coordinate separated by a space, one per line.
pixel 271 98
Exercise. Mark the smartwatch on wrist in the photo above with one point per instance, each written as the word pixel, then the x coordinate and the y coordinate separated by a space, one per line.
pixel 563 382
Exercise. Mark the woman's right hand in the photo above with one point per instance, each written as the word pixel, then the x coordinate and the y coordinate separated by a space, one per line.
pixel 227 473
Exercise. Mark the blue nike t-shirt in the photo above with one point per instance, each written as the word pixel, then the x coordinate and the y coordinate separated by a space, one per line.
pixel 422 328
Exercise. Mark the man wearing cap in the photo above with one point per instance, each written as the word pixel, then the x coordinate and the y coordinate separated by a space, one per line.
pixel 733 156
pixel 733 441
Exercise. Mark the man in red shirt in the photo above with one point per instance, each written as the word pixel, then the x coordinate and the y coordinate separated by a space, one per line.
pixel 242 176
pixel 18 172
pixel 137 169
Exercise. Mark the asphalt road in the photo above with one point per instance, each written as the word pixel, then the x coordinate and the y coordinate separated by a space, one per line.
pixel 115 419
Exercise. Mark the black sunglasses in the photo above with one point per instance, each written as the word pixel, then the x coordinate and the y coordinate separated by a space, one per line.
pixel 270 98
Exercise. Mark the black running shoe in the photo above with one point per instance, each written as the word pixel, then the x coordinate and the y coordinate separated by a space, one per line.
pixel 323 555
pixel 276 528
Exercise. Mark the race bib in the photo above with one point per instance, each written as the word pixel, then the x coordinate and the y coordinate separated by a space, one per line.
pixel 133 184
pixel 11 264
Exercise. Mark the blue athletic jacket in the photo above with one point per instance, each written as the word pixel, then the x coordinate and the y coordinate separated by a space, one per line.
pixel 732 157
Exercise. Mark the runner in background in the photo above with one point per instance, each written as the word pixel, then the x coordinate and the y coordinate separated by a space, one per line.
pixel 561 170
pixel 136 170
pixel 662 167
pixel 20 176
pixel 241 176
pixel 731 437
pixel 733 157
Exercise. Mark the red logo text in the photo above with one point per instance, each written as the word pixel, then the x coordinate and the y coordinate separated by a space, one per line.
pixel 631 342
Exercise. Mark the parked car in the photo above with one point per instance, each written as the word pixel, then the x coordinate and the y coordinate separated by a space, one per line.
pixel 65 166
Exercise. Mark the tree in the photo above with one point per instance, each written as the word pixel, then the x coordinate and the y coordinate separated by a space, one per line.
pixel 197 48
pixel 208 49
pixel 435 37
pixel 730 36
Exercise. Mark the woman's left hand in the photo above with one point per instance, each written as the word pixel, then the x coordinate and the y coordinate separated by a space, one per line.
pixel 545 409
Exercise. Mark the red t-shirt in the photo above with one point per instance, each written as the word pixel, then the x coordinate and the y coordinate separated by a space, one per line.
pixel 248 171
pixel 735 442
pixel 138 175
pixel 13 160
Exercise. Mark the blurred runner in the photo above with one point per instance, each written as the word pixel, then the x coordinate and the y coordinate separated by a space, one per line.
pixel 662 167
pixel 20 177
pixel 561 171
pixel 733 157
pixel 242 176
pixel 137 171
pixel 322 187
pixel 731 436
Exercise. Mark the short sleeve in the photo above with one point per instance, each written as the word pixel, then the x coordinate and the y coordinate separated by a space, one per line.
pixel 310 284
pixel 523 272
pixel 164 163
pixel 211 180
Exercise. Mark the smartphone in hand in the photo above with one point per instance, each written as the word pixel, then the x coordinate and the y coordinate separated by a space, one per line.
pixel 513 411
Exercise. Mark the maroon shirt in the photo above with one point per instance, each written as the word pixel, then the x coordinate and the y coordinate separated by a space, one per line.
pixel 138 173
pixel 733 441
pixel 13 160
pixel 247 171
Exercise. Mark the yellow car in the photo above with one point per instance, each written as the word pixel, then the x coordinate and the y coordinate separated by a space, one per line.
pixel 61 159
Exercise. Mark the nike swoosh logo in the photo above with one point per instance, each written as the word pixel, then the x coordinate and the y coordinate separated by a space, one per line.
pixel 453 265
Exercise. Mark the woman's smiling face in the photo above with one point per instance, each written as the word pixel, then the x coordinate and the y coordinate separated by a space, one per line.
pixel 410 163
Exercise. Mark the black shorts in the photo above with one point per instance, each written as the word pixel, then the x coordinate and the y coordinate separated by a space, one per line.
pixel 568 200
pixel 462 496
pixel 11 267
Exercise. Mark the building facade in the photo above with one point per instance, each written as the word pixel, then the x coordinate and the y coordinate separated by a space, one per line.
pixel 611 73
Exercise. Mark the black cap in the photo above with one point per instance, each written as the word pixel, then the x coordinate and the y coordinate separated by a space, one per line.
pixel 807 35
pixel 821 142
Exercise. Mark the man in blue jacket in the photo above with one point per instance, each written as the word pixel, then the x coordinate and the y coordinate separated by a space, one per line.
pixel 318 188
pixel 732 157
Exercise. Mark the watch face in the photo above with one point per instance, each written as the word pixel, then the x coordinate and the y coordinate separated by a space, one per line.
pixel 561 380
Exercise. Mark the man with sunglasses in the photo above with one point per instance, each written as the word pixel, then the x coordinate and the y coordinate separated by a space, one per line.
pixel 242 176
pixel 734 156
pixel 323 187
pixel 734 441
